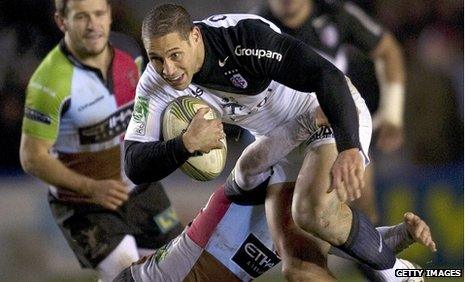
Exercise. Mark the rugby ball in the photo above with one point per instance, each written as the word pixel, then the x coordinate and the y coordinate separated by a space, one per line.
pixel 176 119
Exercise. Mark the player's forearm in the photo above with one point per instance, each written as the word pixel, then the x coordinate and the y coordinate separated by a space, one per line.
pixel 389 58
pixel 338 105
pixel 153 161
pixel 53 172
pixel 391 76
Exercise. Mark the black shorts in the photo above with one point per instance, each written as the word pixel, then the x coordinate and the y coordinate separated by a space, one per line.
pixel 93 232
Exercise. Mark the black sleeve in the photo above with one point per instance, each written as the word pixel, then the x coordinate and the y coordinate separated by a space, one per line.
pixel 152 161
pixel 361 30
pixel 301 68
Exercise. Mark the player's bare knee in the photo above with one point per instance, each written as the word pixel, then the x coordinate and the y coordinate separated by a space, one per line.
pixel 314 218
pixel 304 215
pixel 254 160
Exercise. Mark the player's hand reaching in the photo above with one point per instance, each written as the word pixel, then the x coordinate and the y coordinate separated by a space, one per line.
pixel 203 134
pixel 110 194
pixel 419 231
pixel 347 175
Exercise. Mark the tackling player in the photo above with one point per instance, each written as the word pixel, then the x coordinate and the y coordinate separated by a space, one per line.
pixel 78 104
pixel 229 242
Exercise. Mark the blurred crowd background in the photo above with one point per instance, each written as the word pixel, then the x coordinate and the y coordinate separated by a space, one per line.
pixel 425 176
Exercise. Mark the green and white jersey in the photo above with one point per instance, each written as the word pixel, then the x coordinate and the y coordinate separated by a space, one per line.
pixel 84 115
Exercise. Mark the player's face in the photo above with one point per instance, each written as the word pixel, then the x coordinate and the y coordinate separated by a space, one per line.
pixel 286 8
pixel 87 26
pixel 175 58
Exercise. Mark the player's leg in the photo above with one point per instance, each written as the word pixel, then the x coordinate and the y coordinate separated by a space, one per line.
pixel 247 183
pixel 172 262
pixel 321 213
pixel 315 210
pixel 93 234
pixel 303 257
pixel 367 202
pixel 120 258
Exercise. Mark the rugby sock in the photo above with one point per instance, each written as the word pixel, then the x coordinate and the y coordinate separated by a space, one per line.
pixel 365 244
pixel 236 194
pixel 396 237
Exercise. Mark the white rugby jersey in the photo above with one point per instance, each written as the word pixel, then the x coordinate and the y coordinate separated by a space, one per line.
pixel 247 65
pixel 255 78
pixel 259 113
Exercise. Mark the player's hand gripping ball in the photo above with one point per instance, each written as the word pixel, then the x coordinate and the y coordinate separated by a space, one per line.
pixel 176 119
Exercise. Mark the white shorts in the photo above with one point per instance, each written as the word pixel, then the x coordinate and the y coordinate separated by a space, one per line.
pixel 285 147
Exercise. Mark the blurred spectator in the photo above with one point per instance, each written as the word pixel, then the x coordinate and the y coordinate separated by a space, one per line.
pixel 432 35
pixel 27 33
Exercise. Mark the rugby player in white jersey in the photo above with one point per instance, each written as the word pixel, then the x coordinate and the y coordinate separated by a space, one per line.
pixel 272 85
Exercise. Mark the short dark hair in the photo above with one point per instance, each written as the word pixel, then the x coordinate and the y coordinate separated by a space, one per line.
pixel 61 6
pixel 164 19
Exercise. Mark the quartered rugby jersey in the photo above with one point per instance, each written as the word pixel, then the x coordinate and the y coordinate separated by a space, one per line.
pixel 332 26
pixel 72 105
pixel 236 238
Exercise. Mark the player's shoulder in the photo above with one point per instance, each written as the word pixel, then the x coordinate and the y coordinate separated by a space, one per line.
pixel 53 75
pixel 152 84
pixel 237 20
pixel 53 60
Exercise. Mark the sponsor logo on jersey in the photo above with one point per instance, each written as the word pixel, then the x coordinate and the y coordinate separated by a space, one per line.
pixel 254 257
pixel 233 109
pixel 140 114
pixel 166 220
pixel 106 130
pixel 239 81
pixel 87 105
pixel 259 53
pixel 321 133
pixel 37 116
